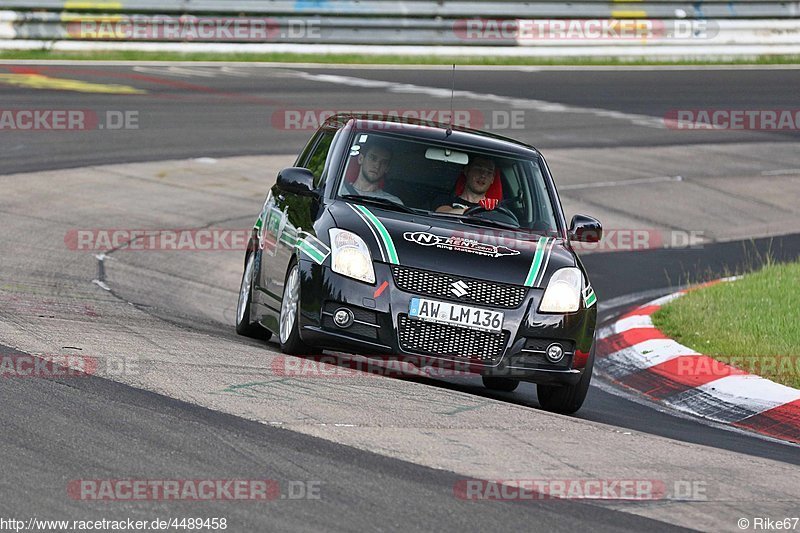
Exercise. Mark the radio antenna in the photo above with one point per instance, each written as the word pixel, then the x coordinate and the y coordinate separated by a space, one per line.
pixel 452 93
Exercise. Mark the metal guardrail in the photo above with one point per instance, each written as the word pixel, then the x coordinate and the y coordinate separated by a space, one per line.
pixel 430 8
pixel 721 24
pixel 387 31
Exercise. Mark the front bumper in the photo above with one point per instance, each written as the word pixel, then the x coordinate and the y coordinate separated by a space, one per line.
pixel 382 329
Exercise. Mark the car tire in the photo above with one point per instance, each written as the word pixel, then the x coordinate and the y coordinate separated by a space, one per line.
pixel 500 384
pixel 244 325
pixel 289 321
pixel 567 399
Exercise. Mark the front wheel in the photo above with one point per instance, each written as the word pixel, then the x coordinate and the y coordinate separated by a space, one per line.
pixel 290 313
pixel 566 400
pixel 244 326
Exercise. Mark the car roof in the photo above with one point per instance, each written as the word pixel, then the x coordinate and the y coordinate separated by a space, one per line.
pixel 436 131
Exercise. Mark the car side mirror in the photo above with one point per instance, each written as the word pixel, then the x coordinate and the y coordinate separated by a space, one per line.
pixel 296 180
pixel 585 229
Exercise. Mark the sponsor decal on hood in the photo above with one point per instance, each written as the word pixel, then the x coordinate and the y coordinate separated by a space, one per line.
pixel 454 248
pixel 458 244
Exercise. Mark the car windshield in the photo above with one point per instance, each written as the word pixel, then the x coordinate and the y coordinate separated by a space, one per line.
pixel 438 180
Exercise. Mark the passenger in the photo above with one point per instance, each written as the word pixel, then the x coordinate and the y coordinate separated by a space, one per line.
pixel 374 161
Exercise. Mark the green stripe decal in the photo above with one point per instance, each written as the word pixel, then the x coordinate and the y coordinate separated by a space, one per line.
pixel 312 241
pixel 391 252
pixel 588 297
pixel 311 252
pixel 288 239
pixel 537 261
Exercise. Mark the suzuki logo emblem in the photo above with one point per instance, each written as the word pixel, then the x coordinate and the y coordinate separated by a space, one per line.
pixel 459 288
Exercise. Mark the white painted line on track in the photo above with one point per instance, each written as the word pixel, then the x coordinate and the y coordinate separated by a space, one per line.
pixel 619 183
pixel 175 70
pixel 782 172
pixel 515 103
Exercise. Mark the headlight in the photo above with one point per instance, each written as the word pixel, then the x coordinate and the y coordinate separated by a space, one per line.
pixel 350 256
pixel 563 293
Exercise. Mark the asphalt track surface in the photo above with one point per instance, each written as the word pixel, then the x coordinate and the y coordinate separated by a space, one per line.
pixel 188 113
pixel 57 430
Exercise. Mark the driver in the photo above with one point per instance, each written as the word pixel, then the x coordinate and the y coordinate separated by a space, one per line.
pixel 480 176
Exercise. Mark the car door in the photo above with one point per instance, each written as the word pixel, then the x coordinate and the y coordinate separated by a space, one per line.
pixel 288 216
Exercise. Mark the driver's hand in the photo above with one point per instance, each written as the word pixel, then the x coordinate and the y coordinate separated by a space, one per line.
pixel 489 203
pixel 449 209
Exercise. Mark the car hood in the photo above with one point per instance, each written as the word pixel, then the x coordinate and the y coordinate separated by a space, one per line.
pixel 452 247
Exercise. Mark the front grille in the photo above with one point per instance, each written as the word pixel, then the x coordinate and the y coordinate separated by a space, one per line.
pixel 439 285
pixel 428 338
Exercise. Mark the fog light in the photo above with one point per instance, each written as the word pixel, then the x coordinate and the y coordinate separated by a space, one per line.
pixel 555 353
pixel 343 318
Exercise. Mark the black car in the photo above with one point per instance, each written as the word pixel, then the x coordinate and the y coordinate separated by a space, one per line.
pixel 427 242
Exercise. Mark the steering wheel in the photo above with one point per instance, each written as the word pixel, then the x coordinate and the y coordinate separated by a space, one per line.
pixel 499 209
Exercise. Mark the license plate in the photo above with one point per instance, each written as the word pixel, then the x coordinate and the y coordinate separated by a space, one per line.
pixel 456 315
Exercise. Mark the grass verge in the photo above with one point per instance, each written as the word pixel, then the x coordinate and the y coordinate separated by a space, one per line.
pixel 752 323
pixel 380 59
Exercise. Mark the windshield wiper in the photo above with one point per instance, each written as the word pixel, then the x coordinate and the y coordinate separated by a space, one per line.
pixel 477 220
pixel 377 200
